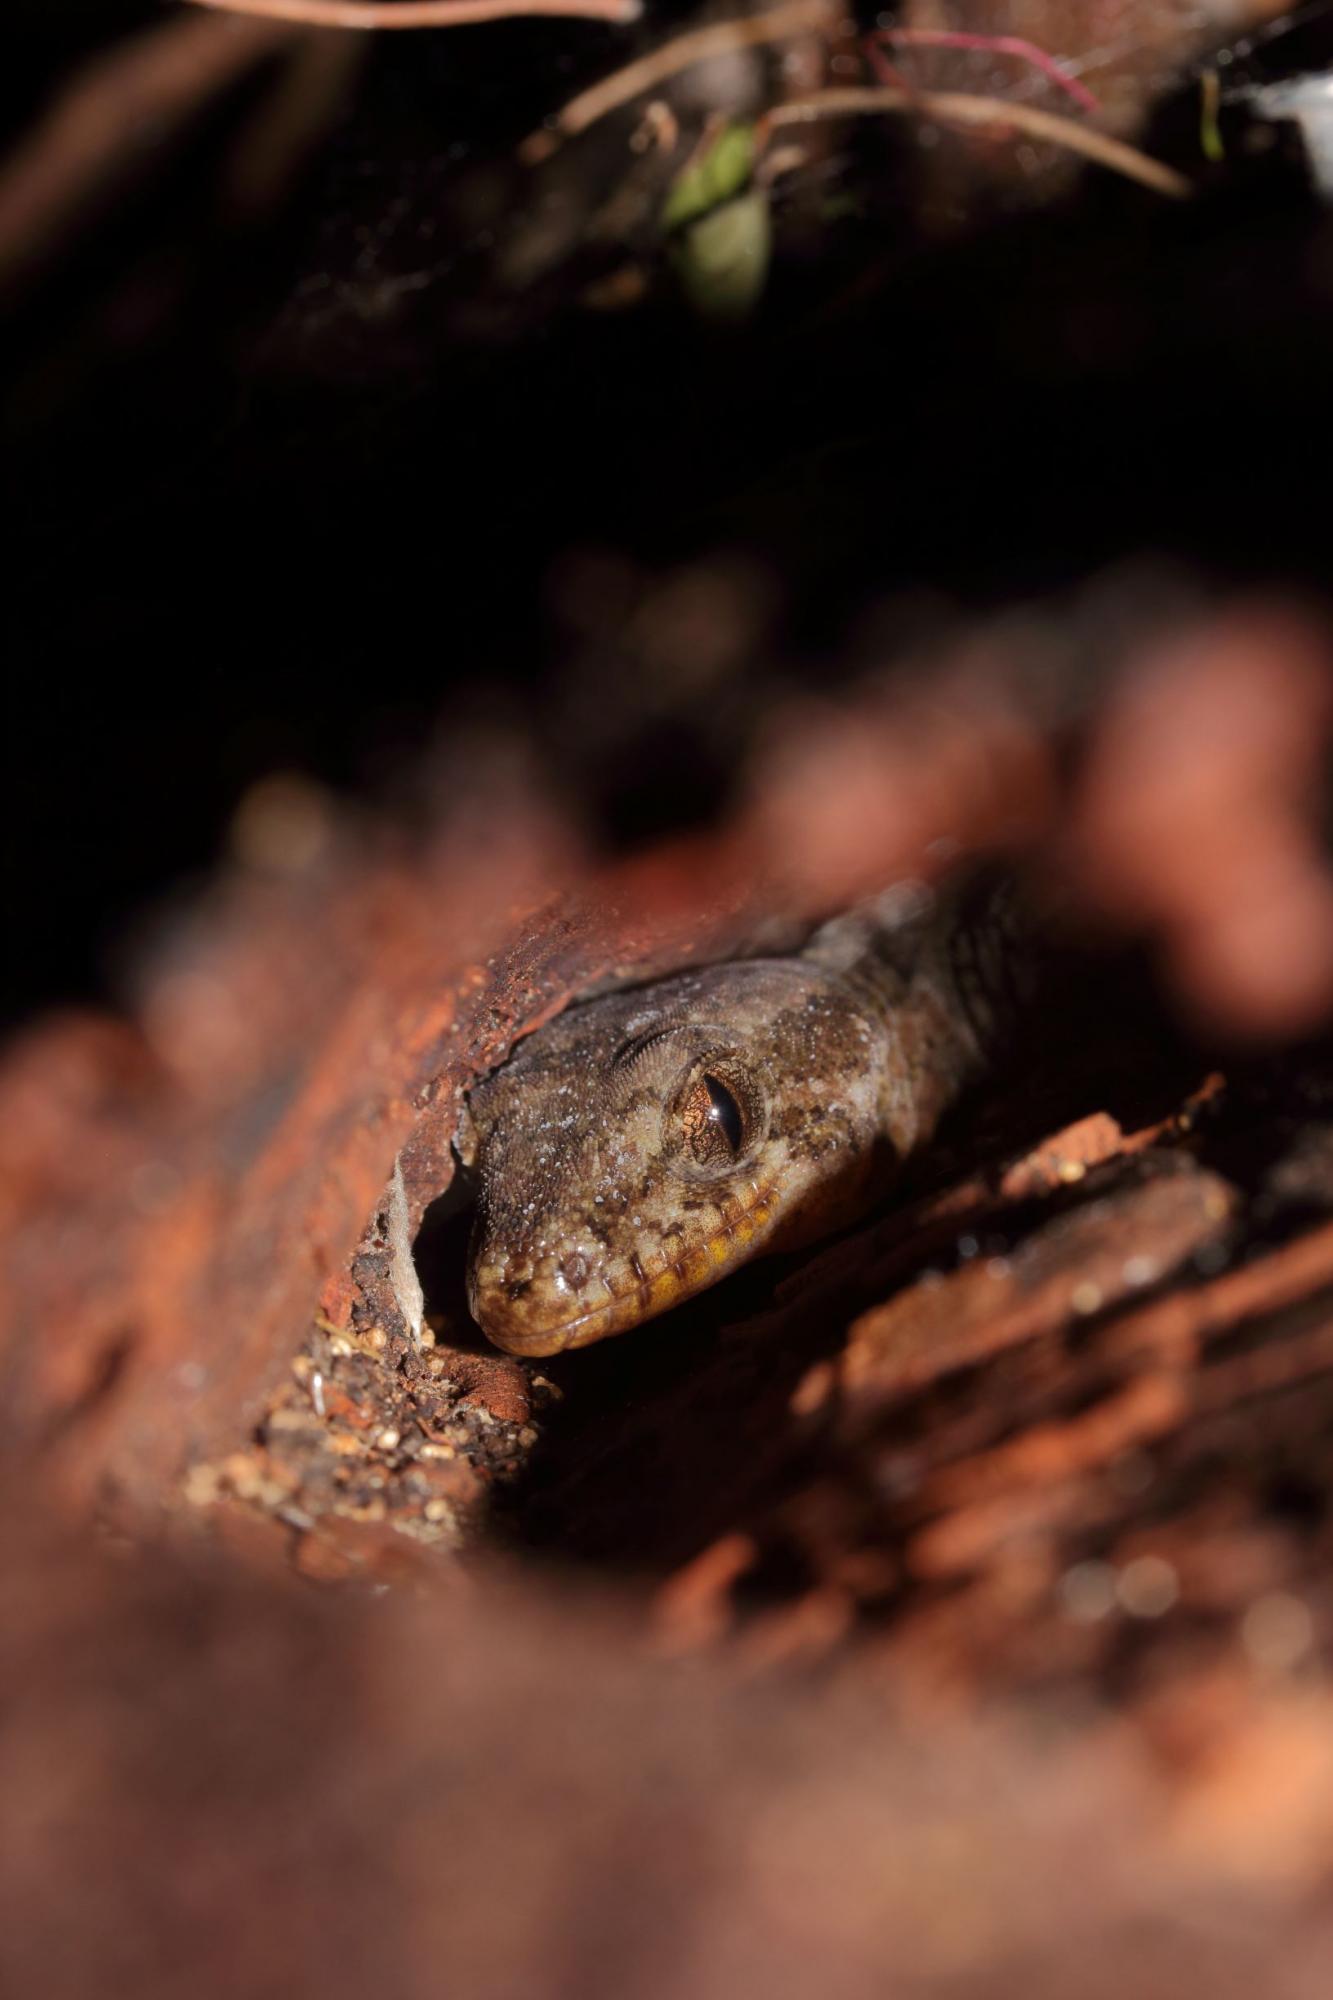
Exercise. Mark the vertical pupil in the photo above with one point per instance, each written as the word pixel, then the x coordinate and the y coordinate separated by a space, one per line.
pixel 724 1111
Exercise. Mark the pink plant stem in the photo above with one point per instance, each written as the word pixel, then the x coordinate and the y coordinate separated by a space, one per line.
pixel 996 45
pixel 885 71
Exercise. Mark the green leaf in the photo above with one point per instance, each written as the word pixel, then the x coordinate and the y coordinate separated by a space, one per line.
pixel 722 259
pixel 714 177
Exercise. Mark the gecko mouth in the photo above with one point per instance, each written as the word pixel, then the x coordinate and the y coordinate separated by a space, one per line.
pixel 522 1324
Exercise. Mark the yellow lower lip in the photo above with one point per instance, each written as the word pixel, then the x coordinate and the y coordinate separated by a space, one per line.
pixel 668 1287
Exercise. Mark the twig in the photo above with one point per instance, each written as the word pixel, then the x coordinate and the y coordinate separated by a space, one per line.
pixel 956 107
pixel 373 15
pixel 1210 131
pixel 109 119
pixel 797 17
pixel 285 129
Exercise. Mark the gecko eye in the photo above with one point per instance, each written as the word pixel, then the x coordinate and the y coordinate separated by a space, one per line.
pixel 712 1120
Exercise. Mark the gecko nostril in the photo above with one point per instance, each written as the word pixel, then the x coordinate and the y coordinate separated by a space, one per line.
pixel 518 1289
pixel 574 1270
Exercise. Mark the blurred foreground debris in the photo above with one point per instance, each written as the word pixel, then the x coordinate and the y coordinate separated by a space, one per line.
pixel 213 1779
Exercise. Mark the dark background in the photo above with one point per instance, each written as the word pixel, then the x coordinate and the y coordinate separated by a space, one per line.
pixel 271 508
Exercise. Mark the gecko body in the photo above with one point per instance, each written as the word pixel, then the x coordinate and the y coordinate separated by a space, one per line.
pixel 643 1144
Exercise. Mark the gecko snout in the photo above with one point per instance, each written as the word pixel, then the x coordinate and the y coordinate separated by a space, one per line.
pixel 540 1304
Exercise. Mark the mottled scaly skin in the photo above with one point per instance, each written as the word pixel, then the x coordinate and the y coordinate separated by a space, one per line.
pixel 643 1144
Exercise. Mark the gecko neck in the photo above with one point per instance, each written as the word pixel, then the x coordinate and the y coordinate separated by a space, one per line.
pixel 946 976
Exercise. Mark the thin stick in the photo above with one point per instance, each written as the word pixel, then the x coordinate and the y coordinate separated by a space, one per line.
pixel 108 119
pixel 373 15
pixel 797 17
pixel 287 126
pixel 956 107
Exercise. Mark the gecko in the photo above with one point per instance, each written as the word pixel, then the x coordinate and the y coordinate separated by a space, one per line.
pixel 640 1146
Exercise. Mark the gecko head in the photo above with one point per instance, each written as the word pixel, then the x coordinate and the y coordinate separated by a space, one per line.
pixel 642 1145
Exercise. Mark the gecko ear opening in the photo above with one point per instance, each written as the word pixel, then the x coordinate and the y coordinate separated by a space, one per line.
pixel 466 1139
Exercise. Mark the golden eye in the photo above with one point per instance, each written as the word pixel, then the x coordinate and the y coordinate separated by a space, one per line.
pixel 713 1121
